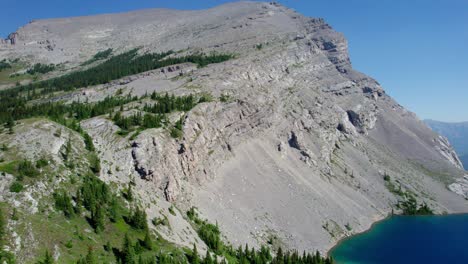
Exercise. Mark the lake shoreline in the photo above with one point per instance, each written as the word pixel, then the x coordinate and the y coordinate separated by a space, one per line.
pixel 343 239
pixel 377 223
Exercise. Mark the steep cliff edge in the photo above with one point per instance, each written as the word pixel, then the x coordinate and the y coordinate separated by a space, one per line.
pixel 297 151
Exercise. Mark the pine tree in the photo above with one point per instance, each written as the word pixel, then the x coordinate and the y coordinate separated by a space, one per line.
pixel 128 252
pixel 138 219
pixel 147 242
pixel 68 150
pixel 63 202
pixel 88 142
pixel 194 258
pixel 114 210
pixel 97 218
pixel 208 259
pixel 129 195
pixel 94 163
pixel 10 123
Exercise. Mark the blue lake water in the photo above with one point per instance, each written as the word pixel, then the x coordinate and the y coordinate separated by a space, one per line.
pixel 408 239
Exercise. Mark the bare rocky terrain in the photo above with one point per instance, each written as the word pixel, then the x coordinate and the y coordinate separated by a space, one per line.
pixel 297 154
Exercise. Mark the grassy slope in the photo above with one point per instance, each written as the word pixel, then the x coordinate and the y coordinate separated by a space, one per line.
pixel 5 78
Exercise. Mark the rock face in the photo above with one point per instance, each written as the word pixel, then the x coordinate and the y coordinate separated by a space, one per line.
pixel 297 153
pixel 456 133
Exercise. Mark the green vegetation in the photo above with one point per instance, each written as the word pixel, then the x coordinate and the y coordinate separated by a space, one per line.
pixel 5 257
pixel 70 115
pixel 41 163
pixel 17 103
pixel 410 207
pixel 176 130
pixel 409 204
pixel 94 163
pixel 16 187
pixel 138 120
pixel 4 64
pixel 210 234
pixel 392 187
pixel 172 210
pixel 224 98
pixel 8 72
pixel 348 227
pixel 63 203
pixel 48 259
pixel 137 219
pixel 101 55
pixel 116 67
pixel 39 68
pixel 386 177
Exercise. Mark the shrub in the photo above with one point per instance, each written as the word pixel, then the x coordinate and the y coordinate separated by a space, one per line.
pixel 16 187
pixel 69 244
pixel 160 221
pixel 224 98
pixel 171 210
pixel 26 168
pixel 176 133
pixel 41 163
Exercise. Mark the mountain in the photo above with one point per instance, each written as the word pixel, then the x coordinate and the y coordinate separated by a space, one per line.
pixel 457 133
pixel 464 160
pixel 248 115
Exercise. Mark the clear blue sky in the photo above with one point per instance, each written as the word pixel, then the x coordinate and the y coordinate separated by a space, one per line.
pixel 417 49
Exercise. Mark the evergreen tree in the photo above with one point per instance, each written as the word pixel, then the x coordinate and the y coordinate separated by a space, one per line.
pixel 63 202
pixel 88 142
pixel 138 219
pixel 47 259
pixel 147 242
pixel 90 258
pixel 128 252
pixel 208 259
pixel 97 218
pixel 129 195
pixel 94 163
pixel 68 150
pixel 114 210
pixel 10 123
pixel 194 258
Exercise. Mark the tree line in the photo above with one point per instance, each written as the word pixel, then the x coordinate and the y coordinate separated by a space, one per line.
pixel 211 235
pixel 116 67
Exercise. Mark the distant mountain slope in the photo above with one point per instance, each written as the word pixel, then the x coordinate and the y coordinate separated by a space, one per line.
pixel 464 160
pixel 457 134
